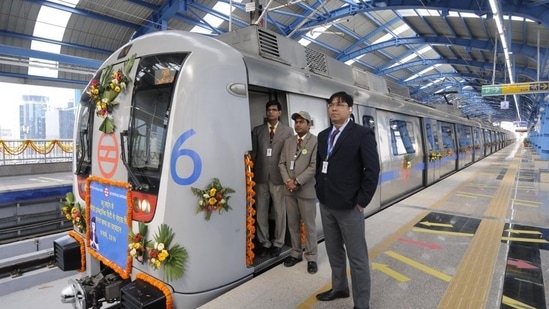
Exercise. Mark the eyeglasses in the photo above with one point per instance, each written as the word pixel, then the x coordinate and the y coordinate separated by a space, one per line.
pixel 339 104
pixel 272 110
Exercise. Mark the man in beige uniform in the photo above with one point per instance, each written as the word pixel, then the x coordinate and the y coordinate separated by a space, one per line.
pixel 297 166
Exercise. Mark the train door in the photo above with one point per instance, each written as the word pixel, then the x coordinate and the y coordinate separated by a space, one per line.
pixel 401 154
pixel 433 148
pixel 316 107
pixel 465 145
pixel 487 141
pixel 258 98
pixel 478 145
pixel 366 116
pixel 448 160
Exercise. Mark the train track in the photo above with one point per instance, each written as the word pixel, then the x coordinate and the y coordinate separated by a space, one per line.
pixel 33 230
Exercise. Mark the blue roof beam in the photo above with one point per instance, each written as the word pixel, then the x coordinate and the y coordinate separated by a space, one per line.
pixel 85 13
pixel 158 20
pixel 65 59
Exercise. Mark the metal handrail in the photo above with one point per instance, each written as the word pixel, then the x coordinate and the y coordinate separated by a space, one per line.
pixel 14 152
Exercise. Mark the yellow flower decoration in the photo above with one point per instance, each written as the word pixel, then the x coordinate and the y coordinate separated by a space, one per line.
pixel 214 197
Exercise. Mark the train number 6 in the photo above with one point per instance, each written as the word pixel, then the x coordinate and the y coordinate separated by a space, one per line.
pixel 178 152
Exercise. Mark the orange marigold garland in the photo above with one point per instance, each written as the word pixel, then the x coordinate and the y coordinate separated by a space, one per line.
pixel 303 233
pixel 80 240
pixel 250 211
pixel 124 273
pixel 159 285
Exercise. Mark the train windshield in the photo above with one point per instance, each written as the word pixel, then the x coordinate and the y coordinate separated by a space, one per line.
pixel 83 137
pixel 153 92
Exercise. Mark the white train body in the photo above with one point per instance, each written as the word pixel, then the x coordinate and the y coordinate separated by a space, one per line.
pixel 186 118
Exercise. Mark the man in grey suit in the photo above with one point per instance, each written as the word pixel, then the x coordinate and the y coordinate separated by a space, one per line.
pixel 267 142
pixel 297 166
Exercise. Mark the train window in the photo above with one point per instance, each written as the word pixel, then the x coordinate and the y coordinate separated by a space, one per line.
pixel 401 137
pixel 153 93
pixel 368 121
pixel 447 137
pixel 431 138
pixel 476 138
pixel 465 138
pixel 83 140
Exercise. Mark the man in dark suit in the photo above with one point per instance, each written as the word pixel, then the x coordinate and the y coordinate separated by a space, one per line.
pixel 267 142
pixel 347 173
pixel 297 167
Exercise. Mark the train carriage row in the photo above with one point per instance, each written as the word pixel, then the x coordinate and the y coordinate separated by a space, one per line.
pixel 168 117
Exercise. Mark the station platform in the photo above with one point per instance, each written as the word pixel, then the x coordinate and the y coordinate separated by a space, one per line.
pixel 476 239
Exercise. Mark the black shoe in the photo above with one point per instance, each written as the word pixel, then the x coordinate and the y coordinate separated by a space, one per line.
pixel 291 261
pixel 275 251
pixel 331 295
pixel 361 308
pixel 312 268
pixel 263 251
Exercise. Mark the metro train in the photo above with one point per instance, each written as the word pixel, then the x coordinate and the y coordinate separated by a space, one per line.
pixel 163 185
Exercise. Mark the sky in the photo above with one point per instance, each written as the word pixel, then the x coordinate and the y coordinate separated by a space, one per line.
pixel 12 95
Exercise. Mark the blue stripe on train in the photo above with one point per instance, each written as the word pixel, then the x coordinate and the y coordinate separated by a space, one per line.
pixel 32 194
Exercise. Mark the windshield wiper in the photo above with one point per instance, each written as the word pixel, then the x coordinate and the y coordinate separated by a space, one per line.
pixel 137 184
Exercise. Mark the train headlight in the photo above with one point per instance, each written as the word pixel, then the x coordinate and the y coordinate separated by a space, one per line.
pixel 144 206
pixel 74 294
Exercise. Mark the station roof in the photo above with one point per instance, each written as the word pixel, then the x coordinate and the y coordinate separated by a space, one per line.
pixel 442 50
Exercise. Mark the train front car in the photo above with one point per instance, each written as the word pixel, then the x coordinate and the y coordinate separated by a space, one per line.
pixel 162 134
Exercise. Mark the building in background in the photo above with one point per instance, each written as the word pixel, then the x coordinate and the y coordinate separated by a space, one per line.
pixel 60 122
pixel 32 117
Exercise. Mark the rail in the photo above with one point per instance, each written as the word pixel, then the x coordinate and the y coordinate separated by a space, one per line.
pixel 13 152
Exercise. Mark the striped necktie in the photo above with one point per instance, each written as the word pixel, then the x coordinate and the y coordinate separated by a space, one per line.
pixel 332 138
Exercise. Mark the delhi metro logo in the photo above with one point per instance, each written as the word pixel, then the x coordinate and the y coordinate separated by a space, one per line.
pixel 108 153
pixel 106 192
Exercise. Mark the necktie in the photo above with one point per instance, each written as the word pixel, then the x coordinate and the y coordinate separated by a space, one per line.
pixel 332 138
pixel 299 140
pixel 272 132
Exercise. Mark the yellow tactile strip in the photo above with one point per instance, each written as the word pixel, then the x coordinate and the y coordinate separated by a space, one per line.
pixel 471 284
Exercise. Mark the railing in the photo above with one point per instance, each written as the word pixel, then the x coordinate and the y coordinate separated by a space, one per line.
pixel 14 152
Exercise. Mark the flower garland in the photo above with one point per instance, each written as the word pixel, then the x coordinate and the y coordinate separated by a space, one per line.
pixel 434 156
pixel 80 240
pixel 124 273
pixel 214 197
pixel 138 243
pixel 43 150
pixel 303 233
pixel 250 211
pixel 73 211
pixel 162 253
pixel 159 285
pixel 103 92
